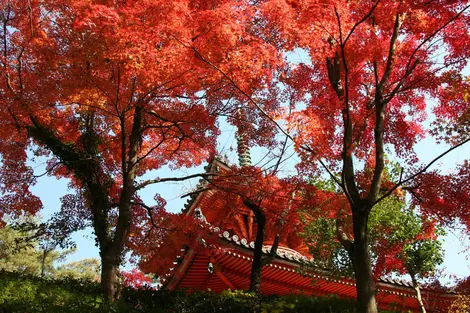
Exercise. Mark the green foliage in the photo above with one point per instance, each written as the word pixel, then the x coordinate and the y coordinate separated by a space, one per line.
pixel 21 293
pixel 403 226
pixel 87 269
pixel 422 257
pixel 399 226
pixel 26 293
pixel 15 256
pixel 21 254
pixel 321 239
pixel 305 304
pixel 21 251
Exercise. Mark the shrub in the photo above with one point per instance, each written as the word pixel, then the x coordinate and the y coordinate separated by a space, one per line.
pixel 20 293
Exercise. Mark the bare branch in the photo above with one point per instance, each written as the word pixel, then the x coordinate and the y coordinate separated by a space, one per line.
pixel 283 151
pixel 48 170
pixel 195 192
pixel 173 179
pixel 150 151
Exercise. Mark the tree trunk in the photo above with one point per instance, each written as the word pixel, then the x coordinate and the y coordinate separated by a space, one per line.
pixel 43 262
pixel 418 294
pixel 257 265
pixel 86 166
pixel 365 285
pixel 111 250
pixel 109 278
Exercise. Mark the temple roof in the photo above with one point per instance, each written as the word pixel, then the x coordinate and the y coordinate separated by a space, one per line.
pixel 289 272
pixel 231 268
pixel 212 167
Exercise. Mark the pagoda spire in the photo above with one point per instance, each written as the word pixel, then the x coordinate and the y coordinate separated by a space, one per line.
pixel 243 149
pixel 244 157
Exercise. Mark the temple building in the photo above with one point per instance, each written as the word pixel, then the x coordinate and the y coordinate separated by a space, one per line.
pixel 291 271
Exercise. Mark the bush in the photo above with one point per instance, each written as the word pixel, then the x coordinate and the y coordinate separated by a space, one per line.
pixel 24 293
pixel 21 293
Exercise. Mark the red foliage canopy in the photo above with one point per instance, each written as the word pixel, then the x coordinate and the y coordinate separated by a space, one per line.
pixel 136 279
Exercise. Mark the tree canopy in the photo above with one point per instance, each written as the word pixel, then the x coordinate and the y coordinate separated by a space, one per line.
pixel 21 252
pixel 109 91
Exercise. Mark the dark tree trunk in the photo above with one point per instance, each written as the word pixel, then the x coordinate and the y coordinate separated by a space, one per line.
pixel 257 265
pixel 365 285
pixel 109 277
pixel 358 249
pixel 86 167
pixel 111 251
pixel 45 252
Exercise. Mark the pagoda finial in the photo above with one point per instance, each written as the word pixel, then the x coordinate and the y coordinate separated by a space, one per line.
pixel 244 157
pixel 243 149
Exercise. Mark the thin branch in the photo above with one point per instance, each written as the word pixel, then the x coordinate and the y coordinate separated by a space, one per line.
pixel 48 170
pixel 173 179
pixel 283 151
pixel 195 192
pixel 155 88
pixel 176 124
pixel 250 99
pixel 149 213
pixel 150 150
pixel 361 21
pixel 424 169
pixel 434 34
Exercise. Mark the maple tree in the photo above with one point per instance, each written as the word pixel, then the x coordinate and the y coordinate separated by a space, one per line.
pixel 379 61
pixel 107 91
pixel 135 279
pixel 372 66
